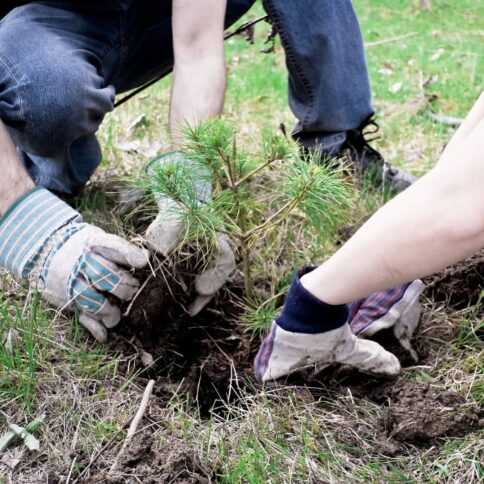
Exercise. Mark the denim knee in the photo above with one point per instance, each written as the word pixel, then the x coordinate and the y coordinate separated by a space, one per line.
pixel 49 99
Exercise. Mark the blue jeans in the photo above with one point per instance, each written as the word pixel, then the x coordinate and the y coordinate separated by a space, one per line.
pixel 63 62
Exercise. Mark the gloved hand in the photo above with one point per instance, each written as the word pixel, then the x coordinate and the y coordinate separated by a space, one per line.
pixel 396 308
pixel 72 264
pixel 167 230
pixel 310 333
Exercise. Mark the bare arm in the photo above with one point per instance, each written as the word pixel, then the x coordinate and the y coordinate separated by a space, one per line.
pixel 436 222
pixel 198 87
pixel 475 115
pixel 14 181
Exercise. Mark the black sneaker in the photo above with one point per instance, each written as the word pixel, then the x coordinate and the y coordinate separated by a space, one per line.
pixel 369 163
pixel 365 161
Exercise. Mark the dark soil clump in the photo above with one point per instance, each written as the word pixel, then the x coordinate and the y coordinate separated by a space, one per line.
pixel 150 316
pixel 459 285
pixel 412 412
pixel 345 232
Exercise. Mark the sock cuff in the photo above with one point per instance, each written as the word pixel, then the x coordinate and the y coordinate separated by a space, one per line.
pixel 305 313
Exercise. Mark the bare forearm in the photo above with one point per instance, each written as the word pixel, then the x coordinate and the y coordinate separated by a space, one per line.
pixel 472 119
pixel 198 87
pixel 195 101
pixel 14 180
pixel 434 223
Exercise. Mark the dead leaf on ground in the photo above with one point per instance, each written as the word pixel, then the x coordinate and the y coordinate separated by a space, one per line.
pixel 437 54
pixel 141 147
pixel 385 71
pixel 13 458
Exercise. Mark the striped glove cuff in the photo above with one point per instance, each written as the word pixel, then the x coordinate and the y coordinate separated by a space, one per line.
pixel 27 225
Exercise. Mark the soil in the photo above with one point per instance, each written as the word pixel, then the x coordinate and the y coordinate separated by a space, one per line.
pixel 173 462
pixel 412 412
pixel 418 413
pixel 459 285
pixel 209 354
pixel 210 357
pixel 345 232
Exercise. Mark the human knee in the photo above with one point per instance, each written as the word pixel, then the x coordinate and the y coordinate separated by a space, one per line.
pixel 50 103
pixel 66 104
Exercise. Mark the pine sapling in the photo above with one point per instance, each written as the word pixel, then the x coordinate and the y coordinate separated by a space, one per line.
pixel 253 193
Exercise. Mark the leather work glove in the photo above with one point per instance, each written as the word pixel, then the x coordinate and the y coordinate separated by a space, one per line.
pixel 310 333
pixel 72 264
pixel 168 228
pixel 396 308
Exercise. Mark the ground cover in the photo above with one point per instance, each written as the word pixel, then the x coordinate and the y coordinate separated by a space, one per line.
pixel 208 421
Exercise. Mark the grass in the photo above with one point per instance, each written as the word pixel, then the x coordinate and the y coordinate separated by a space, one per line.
pixel 284 434
pixel 21 350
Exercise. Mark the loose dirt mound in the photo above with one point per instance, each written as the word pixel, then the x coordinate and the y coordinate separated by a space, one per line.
pixel 459 285
pixel 173 462
pixel 418 413
pixel 208 353
pixel 412 412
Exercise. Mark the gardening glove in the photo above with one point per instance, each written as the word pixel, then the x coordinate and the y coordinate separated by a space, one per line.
pixel 167 230
pixel 396 308
pixel 218 272
pixel 72 264
pixel 310 333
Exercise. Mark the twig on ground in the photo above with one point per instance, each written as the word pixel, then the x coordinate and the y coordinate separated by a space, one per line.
pixel 96 456
pixel 71 468
pixel 448 120
pixel 245 26
pixel 134 423
pixel 392 39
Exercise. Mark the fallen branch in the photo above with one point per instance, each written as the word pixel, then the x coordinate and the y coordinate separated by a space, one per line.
pixel 134 424
pixel 392 39
pixel 245 26
pixel 448 120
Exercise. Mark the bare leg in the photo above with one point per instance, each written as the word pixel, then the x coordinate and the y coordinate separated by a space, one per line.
pixel 436 222
pixel 14 180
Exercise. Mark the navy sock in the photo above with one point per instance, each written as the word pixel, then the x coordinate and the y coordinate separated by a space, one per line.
pixel 305 313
